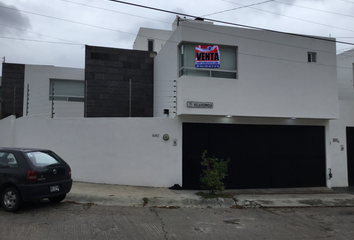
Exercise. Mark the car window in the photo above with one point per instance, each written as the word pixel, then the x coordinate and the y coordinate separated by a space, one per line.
pixel 43 159
pixel 8 160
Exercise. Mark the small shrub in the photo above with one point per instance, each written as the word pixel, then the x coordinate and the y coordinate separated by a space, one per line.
pixel 145 201
pixel 215 172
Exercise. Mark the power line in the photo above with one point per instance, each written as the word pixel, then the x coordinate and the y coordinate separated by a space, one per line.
pixel 178 13
pixel 33 40
pixel 300 19
pixel 70 21
pixel 314 9
pixel 232 9
pixel 40 34
pixel 167 39
pixel 224 22
pixel 110 10
pixel 65 20
pixel 105 9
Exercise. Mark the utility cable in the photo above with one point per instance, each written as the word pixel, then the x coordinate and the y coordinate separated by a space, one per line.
pixel 40 34
pixel 42 41
pixel 314 9
pixel 178 13
pixel 224 22
pixel 110 10
pixel 299 19
pixel 65 20
pixel 232 9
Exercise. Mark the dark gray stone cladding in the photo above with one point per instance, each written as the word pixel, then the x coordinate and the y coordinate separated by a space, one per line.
pixel 108 72
pixel 13 79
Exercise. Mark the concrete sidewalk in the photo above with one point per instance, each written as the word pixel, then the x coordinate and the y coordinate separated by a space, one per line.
pixel 118 195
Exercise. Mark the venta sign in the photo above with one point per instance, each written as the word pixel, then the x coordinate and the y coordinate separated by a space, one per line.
pixel 207 56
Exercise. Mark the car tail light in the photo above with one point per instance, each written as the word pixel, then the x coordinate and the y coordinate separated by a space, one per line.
pixel 31 176
pixel 69 173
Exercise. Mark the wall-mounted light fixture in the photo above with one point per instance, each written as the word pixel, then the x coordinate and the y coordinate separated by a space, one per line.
pixel 228 116
pixel 166 137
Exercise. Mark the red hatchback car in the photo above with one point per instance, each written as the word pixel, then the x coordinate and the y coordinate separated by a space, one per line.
pixel 31 174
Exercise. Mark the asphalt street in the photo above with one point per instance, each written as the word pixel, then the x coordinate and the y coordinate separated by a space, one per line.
pixel 103 211
pixel 44 220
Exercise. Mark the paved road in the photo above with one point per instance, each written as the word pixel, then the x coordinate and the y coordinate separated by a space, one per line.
pixel 86 221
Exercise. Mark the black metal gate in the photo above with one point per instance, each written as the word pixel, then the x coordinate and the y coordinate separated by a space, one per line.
pixel 262 156
pixel 350 155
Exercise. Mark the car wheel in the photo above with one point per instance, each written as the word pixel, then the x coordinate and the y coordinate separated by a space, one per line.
pixel 10 199
pixel 57 199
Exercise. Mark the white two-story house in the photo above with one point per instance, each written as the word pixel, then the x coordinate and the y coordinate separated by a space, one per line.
pixel 264 99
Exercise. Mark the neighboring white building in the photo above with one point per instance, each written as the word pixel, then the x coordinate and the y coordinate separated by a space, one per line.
pixel 28 90
pixel 345 75
pixel 66 84
pixel 342 130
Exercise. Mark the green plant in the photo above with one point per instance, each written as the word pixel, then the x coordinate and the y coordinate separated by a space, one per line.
pixel 215 172
pixel 145 201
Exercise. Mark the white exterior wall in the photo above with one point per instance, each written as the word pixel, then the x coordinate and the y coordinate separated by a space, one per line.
pixel 159 36
pixel 38 77
pixel 337 128
pixel 122 151
pixel 7 127
pixel 165 82
pixel 338 151
pixel 345 74
pixel 274 77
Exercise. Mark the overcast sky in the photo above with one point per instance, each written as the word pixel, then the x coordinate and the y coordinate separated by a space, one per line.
pixel 54 32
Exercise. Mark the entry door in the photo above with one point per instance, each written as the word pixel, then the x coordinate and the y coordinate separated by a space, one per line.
pixel 350 155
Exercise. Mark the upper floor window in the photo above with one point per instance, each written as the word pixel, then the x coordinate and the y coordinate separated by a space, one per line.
pixel 150 45
pixel 216 61
pixel 67 90
pixel 311 57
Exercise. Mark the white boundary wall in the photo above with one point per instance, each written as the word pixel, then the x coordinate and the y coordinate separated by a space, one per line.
pixel 122 151
pixel 127 151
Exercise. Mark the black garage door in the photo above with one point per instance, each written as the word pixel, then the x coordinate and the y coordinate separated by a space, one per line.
pixel 350 155
pixel 262 156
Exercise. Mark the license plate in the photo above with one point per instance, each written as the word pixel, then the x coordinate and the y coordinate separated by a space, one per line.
pixel 54 188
